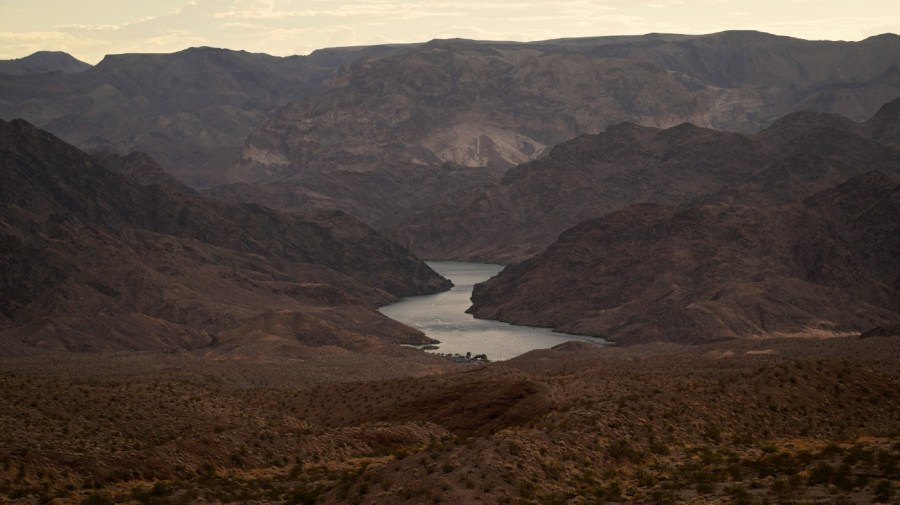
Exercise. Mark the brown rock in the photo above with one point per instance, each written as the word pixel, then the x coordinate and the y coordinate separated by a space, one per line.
pixel 95 262
pixel 589 176
pixel 652 272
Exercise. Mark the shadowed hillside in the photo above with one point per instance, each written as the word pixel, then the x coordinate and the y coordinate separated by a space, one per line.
pixel 649 272
pixel 800 154
pixel 96 262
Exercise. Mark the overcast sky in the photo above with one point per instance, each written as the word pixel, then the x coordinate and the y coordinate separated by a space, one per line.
pixel 91 29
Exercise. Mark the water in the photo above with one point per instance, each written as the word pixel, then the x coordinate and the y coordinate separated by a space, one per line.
pixel 443 317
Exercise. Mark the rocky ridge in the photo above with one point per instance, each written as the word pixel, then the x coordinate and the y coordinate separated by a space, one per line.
pixel 96 262
pixel 495 104
pixel 519 216
pixel 823 267
pixel 190 110
pixel 319 120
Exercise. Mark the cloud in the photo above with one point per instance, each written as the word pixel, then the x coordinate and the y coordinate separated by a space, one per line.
pixel 376 10
pixel 31 36
pixel 88 28
pixel 174 38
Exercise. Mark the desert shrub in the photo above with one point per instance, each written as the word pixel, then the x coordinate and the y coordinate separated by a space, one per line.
pixel 98 499
pixel 841 477
pixel 621 450
pixel 660 448
pixel 526 489
pixel 883 491
pixel 612 491
pixel 662 496
pixel 739 495
pixel 820 474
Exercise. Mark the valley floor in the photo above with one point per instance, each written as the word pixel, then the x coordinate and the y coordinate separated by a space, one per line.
pixel 764 421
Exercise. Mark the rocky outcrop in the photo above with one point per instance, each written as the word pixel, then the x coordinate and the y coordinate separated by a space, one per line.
pixel 689 275
pixel 500 104
pixel 96 262
pixel 589 176
pixel 398 117
pixel 322 120
pixel 477 105
pixel 189 110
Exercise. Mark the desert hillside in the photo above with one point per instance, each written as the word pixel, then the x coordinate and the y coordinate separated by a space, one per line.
pixel 779 421
pixel 587 177
pixel 194 247
pixel 96 262
pixel 827 266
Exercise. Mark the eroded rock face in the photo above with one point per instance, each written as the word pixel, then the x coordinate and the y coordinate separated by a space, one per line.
pixel 379 113
pixel 652 272
pixel 591 175
pixel 95 262
pixel 464 103
pixel 190 110
pixel 500 104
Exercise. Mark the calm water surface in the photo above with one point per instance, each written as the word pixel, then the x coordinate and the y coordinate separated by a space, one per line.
pixel 443 317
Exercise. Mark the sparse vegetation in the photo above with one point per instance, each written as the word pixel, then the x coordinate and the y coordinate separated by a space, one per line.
pixel 674 430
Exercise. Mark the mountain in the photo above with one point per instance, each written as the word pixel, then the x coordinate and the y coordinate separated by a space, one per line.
pixel 500 104
pixel 189 110
pixel 798 155
pixel 95 262
pixel 141 169
pixel 826 266
pixel 43 62
pixel 214 116
pixel 780 74
pixel 479 105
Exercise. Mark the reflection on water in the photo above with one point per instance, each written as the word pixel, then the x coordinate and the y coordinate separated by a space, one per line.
pixel 443 317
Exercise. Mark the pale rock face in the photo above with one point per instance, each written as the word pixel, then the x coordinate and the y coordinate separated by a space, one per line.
pixel 481 145
pixel 263 156
pixel 591 175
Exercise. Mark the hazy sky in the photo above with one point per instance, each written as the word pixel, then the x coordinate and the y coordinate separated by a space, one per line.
pixel 91 29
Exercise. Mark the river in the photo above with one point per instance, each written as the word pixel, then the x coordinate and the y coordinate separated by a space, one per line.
pixel 443 317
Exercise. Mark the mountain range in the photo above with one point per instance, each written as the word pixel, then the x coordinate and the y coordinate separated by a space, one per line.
pixel 96 262
pixel 214 116
pixel 724 207
pixel 501 104
pixel 189 110
pixel 456 149
pixel 525 211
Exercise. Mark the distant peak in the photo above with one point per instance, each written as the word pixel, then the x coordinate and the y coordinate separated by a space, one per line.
pixel 207 49
pixel 42 62
pixel 882 37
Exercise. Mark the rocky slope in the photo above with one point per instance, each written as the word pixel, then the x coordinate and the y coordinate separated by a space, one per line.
pixel 141 169
pixel 190 110
pixel 774 74
pixel 480 105
pixel 649 272
pixel 93 261
pixel 501 104
pixel 469 103
pixel 798 155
